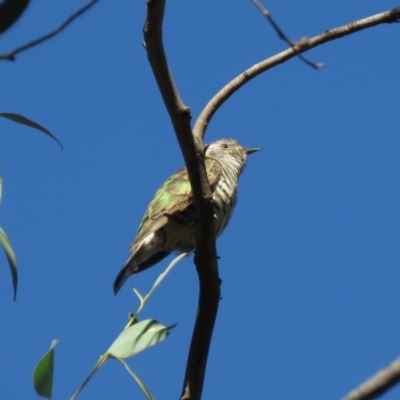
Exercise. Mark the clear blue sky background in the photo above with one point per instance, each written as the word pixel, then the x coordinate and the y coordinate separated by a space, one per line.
pixel 310 260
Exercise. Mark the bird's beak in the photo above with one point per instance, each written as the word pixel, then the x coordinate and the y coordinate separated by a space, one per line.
pixel 252 150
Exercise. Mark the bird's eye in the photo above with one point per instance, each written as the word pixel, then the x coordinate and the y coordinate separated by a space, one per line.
pixel 224 146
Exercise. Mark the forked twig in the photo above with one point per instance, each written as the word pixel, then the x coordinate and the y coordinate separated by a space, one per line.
pixel 282 36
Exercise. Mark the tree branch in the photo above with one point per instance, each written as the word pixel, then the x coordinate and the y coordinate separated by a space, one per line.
pixel 10 56
pixel 282 35
pixel 377 384
pixel 304 45
pixel 192 150
pixel 205 253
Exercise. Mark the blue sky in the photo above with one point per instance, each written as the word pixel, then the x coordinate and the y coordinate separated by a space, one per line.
pixel 310 260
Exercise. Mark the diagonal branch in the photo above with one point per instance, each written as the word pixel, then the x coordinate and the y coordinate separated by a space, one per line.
pixel 378 384
pixel 227 91
pixel 10 56
pixel 192 150
pixel 282 35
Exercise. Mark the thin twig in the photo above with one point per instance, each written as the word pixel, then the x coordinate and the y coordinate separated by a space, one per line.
pixel 205 254
pixel 10 56
pixel 282 36
pixel 140 383
pixel 227 91
pixel 377 384
pixel 99 363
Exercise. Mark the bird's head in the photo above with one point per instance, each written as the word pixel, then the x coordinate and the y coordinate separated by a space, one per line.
pixel 228 148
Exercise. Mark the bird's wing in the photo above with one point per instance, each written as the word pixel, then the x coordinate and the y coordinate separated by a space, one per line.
pixel 174 196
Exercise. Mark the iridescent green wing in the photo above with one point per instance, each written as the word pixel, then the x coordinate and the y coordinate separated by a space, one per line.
pixel 174 196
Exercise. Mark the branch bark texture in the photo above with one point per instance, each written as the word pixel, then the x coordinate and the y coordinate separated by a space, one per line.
pixel 205 253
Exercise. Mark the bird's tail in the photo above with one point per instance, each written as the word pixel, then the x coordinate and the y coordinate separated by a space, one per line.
pixel 130 267
pixel 137 263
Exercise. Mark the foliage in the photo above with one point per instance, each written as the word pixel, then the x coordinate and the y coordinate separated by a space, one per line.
pixel 43 373
pixel 136 336
pixel 4 241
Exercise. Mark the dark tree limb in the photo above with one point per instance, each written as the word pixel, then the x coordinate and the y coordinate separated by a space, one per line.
pixel 306 44
pixel 192 150
pixel 10 56
pixel 377 384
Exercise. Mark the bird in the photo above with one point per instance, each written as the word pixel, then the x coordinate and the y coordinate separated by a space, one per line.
pixel 167 225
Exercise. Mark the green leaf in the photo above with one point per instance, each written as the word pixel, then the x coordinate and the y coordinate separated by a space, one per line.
pixel 25 121
pixel 12 261
pixel 137 338
pixel 43 373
